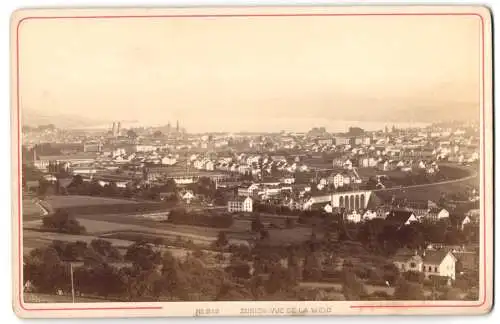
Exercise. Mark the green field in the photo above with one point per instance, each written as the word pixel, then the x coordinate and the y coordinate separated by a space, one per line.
pixel 31 210
pixel 33 239
pixel 78 201
pixel 289 235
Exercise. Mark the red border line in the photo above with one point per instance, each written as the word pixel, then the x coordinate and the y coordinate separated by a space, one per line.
pixel 243 16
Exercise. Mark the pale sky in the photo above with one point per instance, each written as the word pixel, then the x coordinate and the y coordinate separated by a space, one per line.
pixel 248 73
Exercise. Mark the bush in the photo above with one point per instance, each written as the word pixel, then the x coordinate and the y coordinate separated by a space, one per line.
pixel 352 287
pixel 438 282
pixel 472 295
pixel 379 295
pixel 414 276
pixel 391 273
pixel 408 291
pixel 181 217
pixel 312 268
pixel 453 294
pixel 467 280
pixel 62 222
pixel 198 253
pixel 362 271
pixel 222 240
pixel 239 270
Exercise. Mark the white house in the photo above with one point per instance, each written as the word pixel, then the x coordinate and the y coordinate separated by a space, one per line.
pixel 348 165
pixel 209 166
pixel 243 169
pixel 316 200
pixel 353 216
pixel 436 214
pixel 438 263
pixel 303 168
pixel 240 204
pixel 288 180
pixel 187 196
pixel 369 162
pixel 248 191
pixel 167 160
pixel 328 208
pixel 465 220
pixel 338 180
pixel 369 215
pixel 401 217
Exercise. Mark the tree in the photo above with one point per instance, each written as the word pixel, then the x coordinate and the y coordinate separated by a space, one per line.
pixel 111 189
pixel 95 189
pixel 222 240
pixel 453 294
pixel 219 197
pixel 241 252
pixel 131 134
pixel 44 269
pixel 414 276
pixel 257 225
pixel 92 259
pixel 371 183
pixel 76 182
pixel 435 232
pixel 239 269
pixel 411 236
pixel 264 235
pixel 173 279
pixel 231 292
pixel 391 273
pixel 352 287
pixel 312 268
pixel 170 186
pixel 69 251
pixel 143 256
pixel 278 280
pixel 62 222
pixel 45 188
pixel 408 291
pixel 107 281
pixel 106 249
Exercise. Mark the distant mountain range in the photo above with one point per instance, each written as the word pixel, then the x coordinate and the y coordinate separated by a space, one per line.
pixel 68 121
pixel 36 118
pixel 424 113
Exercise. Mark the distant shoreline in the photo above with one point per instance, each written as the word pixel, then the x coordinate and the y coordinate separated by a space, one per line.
pixel 332 126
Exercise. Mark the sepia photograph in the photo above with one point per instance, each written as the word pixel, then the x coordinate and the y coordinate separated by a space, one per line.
pixel 298 161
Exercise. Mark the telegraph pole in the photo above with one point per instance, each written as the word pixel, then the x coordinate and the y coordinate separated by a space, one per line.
pixel 72 283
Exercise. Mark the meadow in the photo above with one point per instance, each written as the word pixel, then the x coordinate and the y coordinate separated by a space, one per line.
pixel 77 201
